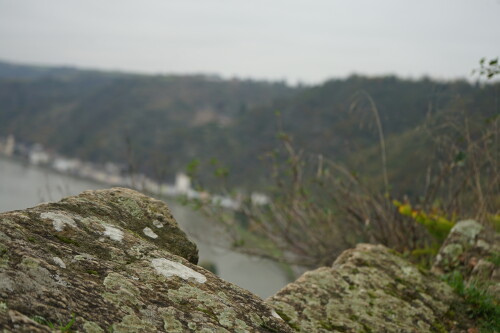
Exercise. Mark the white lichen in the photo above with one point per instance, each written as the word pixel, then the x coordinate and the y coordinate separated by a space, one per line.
pixel 113 233
pixel 468 230
pixel 275 314
pixel 59 280
pixel 158 224
pixel 58 261
pixel 59 220
pixel 170 268
pixel 150 233
pixel 408 270
pixel 82 256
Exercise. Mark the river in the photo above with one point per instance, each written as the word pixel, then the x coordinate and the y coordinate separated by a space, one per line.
pixel 23 185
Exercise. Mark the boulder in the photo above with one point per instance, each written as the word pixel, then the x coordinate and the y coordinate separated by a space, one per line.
pixel 114 260
pixel 473 250
pixel 368 289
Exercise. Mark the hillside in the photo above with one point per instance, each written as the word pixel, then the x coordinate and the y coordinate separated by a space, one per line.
pixel 99 116
pixel 161 123
pixel 335 120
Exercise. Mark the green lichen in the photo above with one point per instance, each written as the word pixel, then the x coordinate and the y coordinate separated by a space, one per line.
pixel 30 263
pixel 3 236
pixel 256 320
pixel 133 324
pixel 228 319
pixel 385 294
pixel 91 327
pixel 214 307
pixel 170 322
pixel 131 207
pixel 3 306
pixel 121 291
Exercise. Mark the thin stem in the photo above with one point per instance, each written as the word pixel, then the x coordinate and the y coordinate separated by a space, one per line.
pixel 381 139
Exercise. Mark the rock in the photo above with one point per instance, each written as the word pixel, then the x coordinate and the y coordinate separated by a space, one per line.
pixel 473 250
pixel 114 260
pixel 124 208
pixel 368 289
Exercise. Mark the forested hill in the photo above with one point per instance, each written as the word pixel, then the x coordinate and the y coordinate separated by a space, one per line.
pixel 336 119
pixel 164 122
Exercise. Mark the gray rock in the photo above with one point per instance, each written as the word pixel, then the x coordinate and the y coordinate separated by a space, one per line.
pixel 473 250
pixel 368 289
pixel 99 262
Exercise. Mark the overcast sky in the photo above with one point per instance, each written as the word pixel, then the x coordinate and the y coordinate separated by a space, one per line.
pixel 307 40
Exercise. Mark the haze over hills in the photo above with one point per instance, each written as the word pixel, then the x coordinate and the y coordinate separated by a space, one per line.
pixel 161 123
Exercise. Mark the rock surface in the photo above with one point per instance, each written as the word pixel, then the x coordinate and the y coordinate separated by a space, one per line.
pixel 474 251
pixel 368 289
pixel 114 260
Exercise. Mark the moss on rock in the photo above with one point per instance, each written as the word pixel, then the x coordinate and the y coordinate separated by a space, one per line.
pixel 471 249
pixel 368 289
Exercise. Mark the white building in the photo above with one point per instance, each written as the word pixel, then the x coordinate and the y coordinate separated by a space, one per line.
pixel 38 155
pixel 10 144
pixel 182 183
pixel 259 199
pixel 66 165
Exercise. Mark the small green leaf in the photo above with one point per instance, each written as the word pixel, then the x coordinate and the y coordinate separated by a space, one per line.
pixel 460 157
pixel 192 167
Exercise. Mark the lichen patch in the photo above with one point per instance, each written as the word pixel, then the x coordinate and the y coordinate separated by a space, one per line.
pixel 58 261
pixel 158 224
pixel 170 268
pixel 113 233
pixel 150 233
pixel 59 220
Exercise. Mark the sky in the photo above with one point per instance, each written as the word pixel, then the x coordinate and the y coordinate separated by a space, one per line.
pixel 305 41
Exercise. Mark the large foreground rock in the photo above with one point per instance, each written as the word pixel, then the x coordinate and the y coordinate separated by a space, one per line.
pixel 114 260
pixel 368 289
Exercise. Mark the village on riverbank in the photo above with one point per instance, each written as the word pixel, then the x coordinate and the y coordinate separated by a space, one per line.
pixel 114 174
